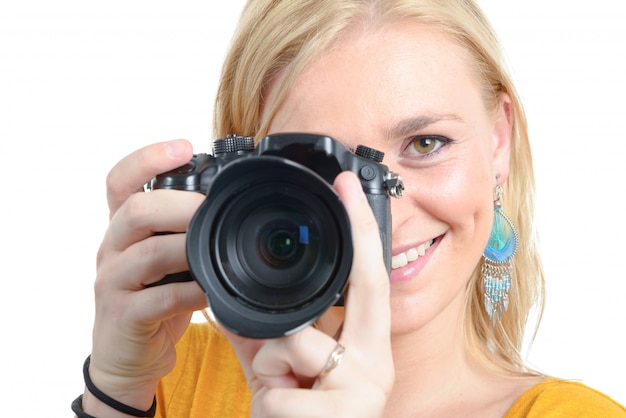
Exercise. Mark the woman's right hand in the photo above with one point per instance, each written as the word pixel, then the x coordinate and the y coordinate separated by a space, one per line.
pixel 136 327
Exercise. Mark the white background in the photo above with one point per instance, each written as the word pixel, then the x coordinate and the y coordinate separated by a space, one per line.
pixel 84 83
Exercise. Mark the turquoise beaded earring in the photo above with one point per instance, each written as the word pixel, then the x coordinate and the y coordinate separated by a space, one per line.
pixel 496 269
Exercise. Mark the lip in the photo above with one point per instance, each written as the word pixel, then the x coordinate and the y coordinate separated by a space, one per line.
pixel 413 268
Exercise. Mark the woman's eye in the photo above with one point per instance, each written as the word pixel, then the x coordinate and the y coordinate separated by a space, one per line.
pixel 428 144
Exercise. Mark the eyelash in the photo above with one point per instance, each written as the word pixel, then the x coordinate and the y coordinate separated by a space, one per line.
pixel 440 143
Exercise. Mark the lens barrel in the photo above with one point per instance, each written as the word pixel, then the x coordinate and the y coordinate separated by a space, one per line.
pixel 271 246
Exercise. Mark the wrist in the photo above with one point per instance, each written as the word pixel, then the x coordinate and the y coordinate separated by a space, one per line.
pixel 114 398
pixel 96 408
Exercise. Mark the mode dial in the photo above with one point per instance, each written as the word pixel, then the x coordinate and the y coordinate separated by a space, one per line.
pixel 233 143
pixel 369 153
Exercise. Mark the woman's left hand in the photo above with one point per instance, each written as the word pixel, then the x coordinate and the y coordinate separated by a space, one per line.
pixel 285 374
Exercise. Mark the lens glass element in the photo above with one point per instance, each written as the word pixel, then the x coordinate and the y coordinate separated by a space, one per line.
pixel 281 243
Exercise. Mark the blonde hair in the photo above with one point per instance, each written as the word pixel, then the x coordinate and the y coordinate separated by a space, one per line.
pixel 281 37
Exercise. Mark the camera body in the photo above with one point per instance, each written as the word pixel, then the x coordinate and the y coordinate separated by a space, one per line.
pixel 271 245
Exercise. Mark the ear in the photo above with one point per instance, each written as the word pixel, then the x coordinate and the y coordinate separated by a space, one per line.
pixel 502 137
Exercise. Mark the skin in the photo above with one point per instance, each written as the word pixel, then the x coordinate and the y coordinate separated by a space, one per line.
pixel 405 354
pixel 383 89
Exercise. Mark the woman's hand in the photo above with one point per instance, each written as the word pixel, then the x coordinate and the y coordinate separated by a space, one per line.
pixel 284 373
pixel 135 326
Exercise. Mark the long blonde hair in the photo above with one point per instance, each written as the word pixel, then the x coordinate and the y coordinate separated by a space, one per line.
pixel 282 36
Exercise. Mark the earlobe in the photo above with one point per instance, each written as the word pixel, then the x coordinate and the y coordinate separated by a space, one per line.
pixel 503 136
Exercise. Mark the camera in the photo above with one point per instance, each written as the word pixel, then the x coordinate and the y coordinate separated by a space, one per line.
pixel 271 245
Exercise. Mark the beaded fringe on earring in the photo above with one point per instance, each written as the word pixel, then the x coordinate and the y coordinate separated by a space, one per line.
pixel 497 270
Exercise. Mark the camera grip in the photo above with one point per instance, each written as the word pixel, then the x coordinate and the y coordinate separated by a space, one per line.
pixel 183 276
pixel 380 205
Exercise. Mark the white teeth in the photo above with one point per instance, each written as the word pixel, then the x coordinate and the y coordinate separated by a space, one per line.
pixel 399 260
pixel 413 254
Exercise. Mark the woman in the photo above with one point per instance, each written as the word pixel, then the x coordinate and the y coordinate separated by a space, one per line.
pixel 422 81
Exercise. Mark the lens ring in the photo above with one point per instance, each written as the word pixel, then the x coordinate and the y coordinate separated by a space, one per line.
pixel 240 178
pixel 248 275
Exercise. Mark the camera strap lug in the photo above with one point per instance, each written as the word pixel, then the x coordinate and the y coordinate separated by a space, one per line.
pixel 394 184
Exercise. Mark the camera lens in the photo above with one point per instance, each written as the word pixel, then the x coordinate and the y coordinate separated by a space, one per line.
pixel 281 243
pixel 271 246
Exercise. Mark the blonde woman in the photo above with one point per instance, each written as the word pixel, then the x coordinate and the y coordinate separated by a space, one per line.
pixel 440 336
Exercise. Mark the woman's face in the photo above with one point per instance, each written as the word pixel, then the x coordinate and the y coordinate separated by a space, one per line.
pixel 410 92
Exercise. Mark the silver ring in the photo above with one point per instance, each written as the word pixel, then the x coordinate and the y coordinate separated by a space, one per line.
pixel 334 359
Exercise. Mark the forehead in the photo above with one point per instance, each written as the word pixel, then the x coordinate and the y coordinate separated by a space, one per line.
pixel 372 76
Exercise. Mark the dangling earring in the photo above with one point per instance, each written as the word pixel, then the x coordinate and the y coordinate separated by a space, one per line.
pixel 496 269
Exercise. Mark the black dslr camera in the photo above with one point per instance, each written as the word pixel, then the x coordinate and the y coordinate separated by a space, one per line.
pixel 271 246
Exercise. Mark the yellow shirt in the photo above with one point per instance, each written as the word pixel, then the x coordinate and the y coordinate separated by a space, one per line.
pixel 554 398
pixel 207 382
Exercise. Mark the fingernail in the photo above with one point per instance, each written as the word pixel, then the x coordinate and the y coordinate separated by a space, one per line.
pixel 175 148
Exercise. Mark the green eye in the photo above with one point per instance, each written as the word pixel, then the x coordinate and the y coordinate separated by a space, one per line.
pixel 426 145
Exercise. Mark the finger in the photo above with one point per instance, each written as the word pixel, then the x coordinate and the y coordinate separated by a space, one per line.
pixel 130 174
pixel 367 305
pixel 295 403
pixel 168 301
pixel 145 262
pixel 287 361
pixel 152 304
pixel 145 214
pixel 245 349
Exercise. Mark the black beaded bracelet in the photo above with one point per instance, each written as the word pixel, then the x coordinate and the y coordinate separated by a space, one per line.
pixel 104 398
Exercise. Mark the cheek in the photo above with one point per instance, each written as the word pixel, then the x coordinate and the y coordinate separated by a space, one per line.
pixel 467 209
pixel 457 196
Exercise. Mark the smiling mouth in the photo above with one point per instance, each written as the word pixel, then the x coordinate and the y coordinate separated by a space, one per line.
pixel 402 259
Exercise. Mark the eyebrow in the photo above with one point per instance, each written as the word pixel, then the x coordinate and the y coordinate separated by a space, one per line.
pixel 412 125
